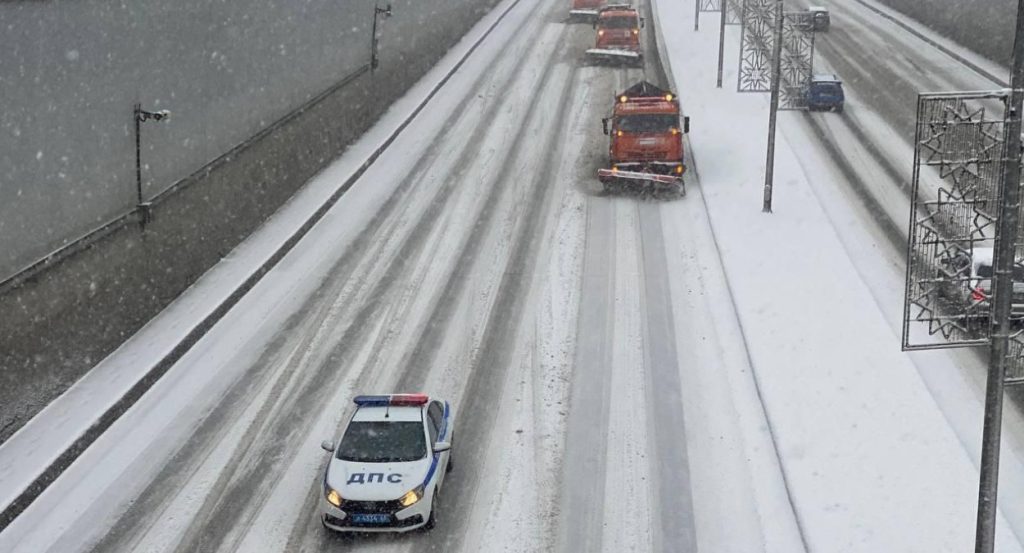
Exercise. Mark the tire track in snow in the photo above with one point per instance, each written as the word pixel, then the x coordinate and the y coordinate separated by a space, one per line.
pixel 627 514
pixel 671 485
pixel 489 370
pixel 582 502
pixel 378 290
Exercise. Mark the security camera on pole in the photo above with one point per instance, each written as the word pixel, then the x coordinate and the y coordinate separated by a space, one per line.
pixel 382 13
pixel 141 116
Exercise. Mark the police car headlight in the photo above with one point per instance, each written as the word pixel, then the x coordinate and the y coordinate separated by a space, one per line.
pixel 412 497
pixel 333 497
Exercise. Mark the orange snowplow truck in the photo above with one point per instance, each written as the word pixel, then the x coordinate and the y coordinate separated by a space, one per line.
pixel 618 35
pixel 646 150
pixel 585 9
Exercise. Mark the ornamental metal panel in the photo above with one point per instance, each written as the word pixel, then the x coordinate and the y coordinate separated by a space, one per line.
pixel 958 165
pixel 757 36
pixel 710 5
pixel 797 59
pixel 734 12
pixel 1015 368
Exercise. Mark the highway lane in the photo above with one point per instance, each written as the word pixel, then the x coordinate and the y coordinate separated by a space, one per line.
pixel 496 276
pixel 556 319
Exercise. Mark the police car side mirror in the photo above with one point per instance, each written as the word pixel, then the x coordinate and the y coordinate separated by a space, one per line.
pixel 604 127
pixel 686 125
pixel 327 446
pixel 440 447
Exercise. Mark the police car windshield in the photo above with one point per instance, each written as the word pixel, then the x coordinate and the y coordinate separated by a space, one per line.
pixel 383 442
pixel 647 123
pixel 618 22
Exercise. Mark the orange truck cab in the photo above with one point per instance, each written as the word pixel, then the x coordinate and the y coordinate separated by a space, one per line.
pixel 585 9
pixel 646 138
pixel 618 35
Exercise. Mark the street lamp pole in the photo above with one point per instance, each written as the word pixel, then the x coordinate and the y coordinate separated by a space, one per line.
pixel 769 171
pixel 1002 302
pixel 721 41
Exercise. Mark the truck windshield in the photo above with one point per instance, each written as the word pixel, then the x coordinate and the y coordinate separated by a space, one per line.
pixel 647 123
pixel 619 23
pixel 383 442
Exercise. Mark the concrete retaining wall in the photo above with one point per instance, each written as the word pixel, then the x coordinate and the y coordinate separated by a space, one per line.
pixel 226 72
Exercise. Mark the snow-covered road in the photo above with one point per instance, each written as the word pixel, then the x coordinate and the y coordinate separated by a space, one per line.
pixel 474 261
pixel 603 375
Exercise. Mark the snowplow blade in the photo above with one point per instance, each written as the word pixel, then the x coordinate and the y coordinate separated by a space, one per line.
pixel 645 182
pixel 583 14
pixel 607 54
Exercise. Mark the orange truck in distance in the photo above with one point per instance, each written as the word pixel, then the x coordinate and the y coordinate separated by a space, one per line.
pixel 646 145
pixel 585 9
pixel 618 35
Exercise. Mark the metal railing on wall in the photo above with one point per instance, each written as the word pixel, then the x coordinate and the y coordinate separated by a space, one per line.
pixel 140 214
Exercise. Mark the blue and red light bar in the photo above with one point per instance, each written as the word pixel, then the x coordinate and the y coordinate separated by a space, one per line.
pixel 392 400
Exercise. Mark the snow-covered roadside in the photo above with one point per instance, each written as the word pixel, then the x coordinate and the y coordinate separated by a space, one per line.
pixel 42 440
pixel 950 46
pixel 870 461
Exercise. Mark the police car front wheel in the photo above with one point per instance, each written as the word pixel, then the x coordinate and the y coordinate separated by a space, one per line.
pixel 431 519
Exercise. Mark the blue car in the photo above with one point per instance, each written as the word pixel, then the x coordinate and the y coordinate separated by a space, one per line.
pixel 825 94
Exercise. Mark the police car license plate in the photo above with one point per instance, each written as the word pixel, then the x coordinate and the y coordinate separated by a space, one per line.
pixel 370 518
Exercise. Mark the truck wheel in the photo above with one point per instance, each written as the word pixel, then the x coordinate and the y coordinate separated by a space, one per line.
pixel 839 109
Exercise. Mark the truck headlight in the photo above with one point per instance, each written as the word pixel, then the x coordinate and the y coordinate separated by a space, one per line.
pixel 333 497
pixel 412 497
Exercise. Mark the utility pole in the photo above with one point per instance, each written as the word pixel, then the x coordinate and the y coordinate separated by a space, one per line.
pixel 1005 259
pixel 769 171
pixel 721 41
pixel 696 15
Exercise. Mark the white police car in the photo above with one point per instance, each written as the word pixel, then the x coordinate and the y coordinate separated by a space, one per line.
pixel 386 473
